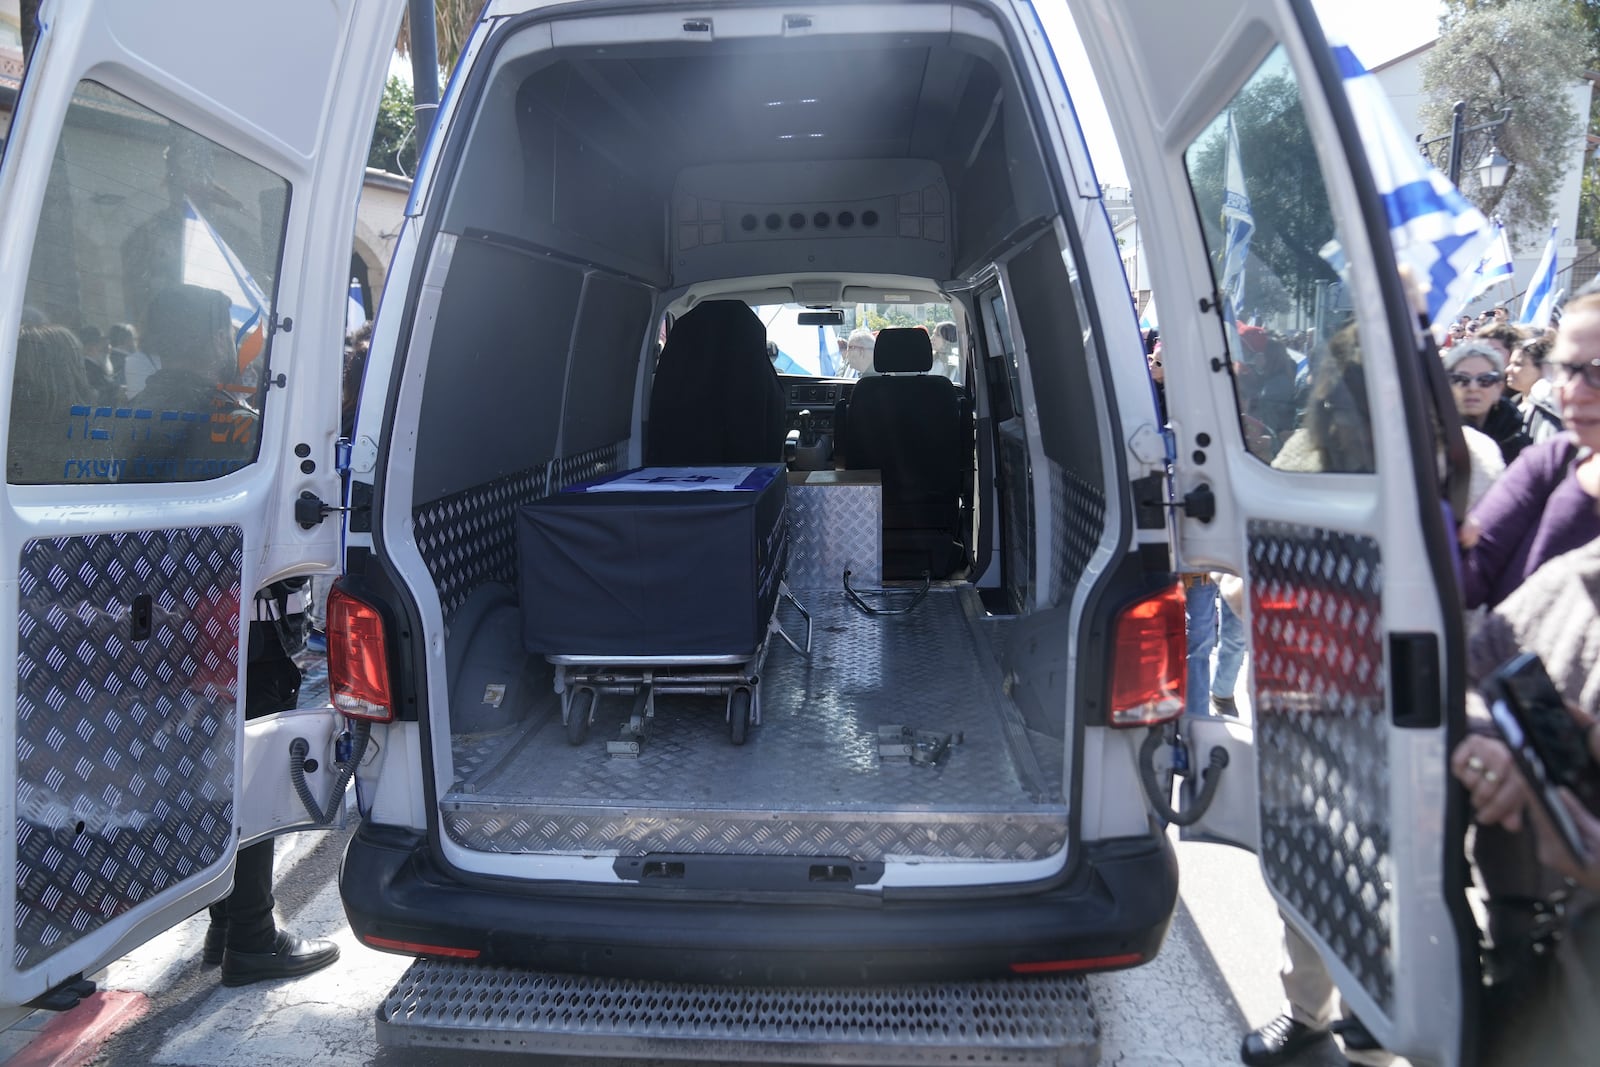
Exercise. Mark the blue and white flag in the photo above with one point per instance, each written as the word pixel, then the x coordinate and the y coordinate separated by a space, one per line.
pixel 210 262
pixel 1149 320
pixel 1540 299
pixel 1438 236
pixel 1237 225
pixel 1496 266
pixel 355 312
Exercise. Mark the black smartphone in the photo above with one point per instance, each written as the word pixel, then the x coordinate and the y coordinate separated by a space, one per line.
pixel 1547 743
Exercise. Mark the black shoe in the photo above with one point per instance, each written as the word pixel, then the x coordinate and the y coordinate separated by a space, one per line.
pixel 1225 706
pixel 1278 1042
pixel 216 941
pixel 290 956
pixel 1355 1035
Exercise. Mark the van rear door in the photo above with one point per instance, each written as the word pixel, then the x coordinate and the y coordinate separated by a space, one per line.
pixel 181 178
pixel 1296 377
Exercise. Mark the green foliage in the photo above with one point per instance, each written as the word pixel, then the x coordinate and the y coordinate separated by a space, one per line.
pixel 394 144
pixel 1289 203
pixel 1521 54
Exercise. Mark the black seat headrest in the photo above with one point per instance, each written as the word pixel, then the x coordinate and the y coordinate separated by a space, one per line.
pixel 907 348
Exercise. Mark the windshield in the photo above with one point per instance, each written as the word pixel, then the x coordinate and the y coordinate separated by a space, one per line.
pixel 844 350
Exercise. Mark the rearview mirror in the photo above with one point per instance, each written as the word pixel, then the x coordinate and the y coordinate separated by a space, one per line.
pixel 833 317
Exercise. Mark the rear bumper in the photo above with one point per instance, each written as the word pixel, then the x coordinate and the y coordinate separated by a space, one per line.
pixel 1113 913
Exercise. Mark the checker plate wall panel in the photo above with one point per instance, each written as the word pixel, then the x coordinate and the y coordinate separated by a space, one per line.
pixel 469 538
pixel 831 528
pixel 1322 738
pixel 1078 516
pixel 125 751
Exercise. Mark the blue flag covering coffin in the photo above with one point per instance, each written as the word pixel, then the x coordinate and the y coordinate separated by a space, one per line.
pixel 654 562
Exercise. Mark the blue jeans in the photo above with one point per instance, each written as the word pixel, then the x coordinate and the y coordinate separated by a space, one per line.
pixel 1202 607
pixel 1230 652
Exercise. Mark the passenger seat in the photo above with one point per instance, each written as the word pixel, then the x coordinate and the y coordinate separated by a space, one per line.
pixel 915 428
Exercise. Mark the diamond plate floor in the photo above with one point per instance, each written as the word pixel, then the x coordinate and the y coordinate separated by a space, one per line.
pixel 809 781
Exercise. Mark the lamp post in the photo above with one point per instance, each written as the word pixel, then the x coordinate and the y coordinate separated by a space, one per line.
pixel 1492 169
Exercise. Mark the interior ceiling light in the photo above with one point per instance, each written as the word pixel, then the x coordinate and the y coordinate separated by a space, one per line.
pixel 815 135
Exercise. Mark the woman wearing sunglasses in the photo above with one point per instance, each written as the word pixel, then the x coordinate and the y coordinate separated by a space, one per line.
pixel 1544 504
pixel 1478 381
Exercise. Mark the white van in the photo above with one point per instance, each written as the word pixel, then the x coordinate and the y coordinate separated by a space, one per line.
pixel 654 773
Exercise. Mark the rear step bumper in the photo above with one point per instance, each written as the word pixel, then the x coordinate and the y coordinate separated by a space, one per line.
pixel 1112 913
pixel 1045 1021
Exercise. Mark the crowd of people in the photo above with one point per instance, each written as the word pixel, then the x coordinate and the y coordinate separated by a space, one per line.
pixel 1529 569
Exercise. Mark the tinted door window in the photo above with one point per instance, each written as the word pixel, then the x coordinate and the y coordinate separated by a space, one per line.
pixel 144 341
pixel 1279 269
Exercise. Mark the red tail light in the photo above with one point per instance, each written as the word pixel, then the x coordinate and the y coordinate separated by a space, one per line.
pixel 358 659
pixel 1151 657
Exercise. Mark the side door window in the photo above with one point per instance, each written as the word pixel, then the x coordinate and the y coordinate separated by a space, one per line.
pixel 148 313
pixel 1295 349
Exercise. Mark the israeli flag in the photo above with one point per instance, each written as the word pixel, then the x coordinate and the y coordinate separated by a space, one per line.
pixel 1438 236
pixel 1496 265
pixel 211 263
pixel 1237 224
pixel 1540 299
pixel 355 312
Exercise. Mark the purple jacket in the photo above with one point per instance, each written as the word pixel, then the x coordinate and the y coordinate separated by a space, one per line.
pixel 1533 513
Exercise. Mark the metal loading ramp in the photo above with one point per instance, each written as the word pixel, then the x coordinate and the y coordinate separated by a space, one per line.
pixel 1025 1021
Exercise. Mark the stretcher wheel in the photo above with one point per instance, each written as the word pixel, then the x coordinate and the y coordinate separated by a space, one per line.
pixel 738 715
pixel 578 715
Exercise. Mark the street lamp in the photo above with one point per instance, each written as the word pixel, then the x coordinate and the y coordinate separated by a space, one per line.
pixel 1492 170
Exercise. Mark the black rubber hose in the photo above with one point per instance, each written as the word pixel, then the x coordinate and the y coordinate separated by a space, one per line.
pixel 1210 778
pixel 298 750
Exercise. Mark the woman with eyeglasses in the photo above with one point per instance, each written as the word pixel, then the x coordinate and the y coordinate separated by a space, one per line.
pixel 1545 503
pixel 1478 381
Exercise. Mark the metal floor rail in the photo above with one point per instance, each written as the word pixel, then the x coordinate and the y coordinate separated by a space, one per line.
pixel 1045 1021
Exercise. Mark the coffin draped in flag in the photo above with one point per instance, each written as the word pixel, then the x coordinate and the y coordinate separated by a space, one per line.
pixel 1436 232
pixel 1237 226
pixel 209 262
pixel 1539 302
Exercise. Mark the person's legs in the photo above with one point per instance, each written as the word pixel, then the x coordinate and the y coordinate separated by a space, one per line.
pixel 255 948
pixel 1200 609
pixel 1310 992
pixel 1230 658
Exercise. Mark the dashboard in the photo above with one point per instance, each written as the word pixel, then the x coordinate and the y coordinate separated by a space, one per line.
pixel 820 396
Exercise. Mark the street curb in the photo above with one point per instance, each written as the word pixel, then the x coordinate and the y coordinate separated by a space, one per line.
pixel 74 1037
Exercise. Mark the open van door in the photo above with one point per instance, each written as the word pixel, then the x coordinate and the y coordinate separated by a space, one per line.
pixel 1298 386
pixel 181 176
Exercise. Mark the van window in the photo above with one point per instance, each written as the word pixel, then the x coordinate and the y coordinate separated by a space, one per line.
pixel 149 298
pixel 824 351
pixel 1277 264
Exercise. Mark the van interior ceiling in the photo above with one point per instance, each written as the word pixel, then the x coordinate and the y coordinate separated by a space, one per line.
pixel 602 185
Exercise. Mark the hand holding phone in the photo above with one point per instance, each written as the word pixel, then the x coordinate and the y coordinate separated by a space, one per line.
pixel 1547 744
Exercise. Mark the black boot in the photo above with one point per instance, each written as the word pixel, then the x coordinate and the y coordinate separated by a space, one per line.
pixel 1279 1041
pixel 290 956
pixel 216 941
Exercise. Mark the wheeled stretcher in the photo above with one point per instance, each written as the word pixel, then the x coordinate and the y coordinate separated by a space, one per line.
pixel 657 580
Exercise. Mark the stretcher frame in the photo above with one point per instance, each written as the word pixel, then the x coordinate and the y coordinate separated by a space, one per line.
pixel 581 679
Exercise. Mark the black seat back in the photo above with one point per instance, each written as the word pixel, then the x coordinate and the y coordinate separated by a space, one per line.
pixel 716 398
pixel 911 427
